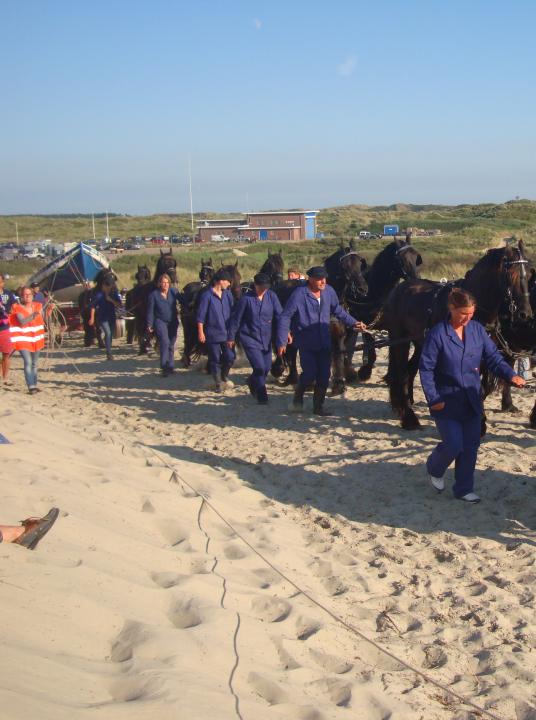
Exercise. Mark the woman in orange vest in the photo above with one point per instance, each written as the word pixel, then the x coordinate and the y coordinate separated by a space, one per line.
pixel 27 330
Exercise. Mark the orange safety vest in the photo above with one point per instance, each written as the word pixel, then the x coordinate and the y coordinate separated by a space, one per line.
pixel 30 336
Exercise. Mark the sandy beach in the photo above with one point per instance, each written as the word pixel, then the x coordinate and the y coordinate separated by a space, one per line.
pixel 144 602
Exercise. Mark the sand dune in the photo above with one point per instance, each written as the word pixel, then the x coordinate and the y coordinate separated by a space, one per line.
pixel 142 601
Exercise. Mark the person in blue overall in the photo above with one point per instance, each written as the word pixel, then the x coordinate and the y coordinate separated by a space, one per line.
pixel 213 315
pixel 253 319
pixel 104 303
pixel 450 376
pixel 163 319
pixel 306 315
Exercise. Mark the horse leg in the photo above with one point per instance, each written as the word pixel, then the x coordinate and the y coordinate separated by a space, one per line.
pixel 337 333
pixel 413 367
pixel 292 360
pixel 350 336
pixel 507 404
pixel 369 358
pixel 532 418
pixel 398 386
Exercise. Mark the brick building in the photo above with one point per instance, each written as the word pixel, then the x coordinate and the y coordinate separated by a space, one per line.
pixel 287 225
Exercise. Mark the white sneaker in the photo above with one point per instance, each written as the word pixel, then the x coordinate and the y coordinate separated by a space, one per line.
pixel 438 483
pixel 470 498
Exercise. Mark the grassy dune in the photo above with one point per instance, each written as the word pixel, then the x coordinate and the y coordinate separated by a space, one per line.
pixel 468 230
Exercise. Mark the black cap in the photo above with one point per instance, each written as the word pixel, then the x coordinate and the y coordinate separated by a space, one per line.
pixel 318 272
pixel 262 279
pixel 222 274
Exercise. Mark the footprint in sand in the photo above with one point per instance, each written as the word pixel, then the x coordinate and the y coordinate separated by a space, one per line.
pixel 267 577
pixel 286 659
pixel 132 634
pixel 305 627
pixel 267 689
pixel 128 689
pixel 233 551
pixel 334 586
pixel 338 692
pixel 270 609
pixel 184 613
pixel 330 663
pixel 173 532
pixel 167 579
pixel 321 568
pixel 147 506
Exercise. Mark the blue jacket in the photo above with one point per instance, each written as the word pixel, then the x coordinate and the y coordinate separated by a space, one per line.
pixel 105 309
pixel 253 319
pixel 308 320
pixel 160 308
pixel 215 314
pixel 450 368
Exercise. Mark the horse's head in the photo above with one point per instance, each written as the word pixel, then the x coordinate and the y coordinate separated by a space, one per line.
pixel 274 266
pixel 516 280
pixel 143 275
pixel 406 259
pixel 352 269
pixel 106 277
pixel 166 264
pixel 236 278
pixel 207 271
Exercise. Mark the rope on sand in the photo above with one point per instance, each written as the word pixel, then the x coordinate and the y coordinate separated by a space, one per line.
pixel 348 626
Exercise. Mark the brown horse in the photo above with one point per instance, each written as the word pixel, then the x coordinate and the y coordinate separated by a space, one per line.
pixel 416 305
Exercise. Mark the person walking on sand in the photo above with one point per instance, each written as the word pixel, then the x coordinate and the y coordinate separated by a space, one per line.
pixel 163 319
pixel 27 332
pixel 103 305
pixel 450 376
pixel 7 298
pixel 307 315
pixel 252 319
pixel 213 315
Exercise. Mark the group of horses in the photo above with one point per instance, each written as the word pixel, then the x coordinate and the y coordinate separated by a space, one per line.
pixel 390 297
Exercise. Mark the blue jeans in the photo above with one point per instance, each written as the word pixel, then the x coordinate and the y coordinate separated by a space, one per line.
pixel 167 337
pixel 460 440
pixel 107 330
pixel 30 366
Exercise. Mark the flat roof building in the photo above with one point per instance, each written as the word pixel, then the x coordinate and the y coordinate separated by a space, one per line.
pixel 272 225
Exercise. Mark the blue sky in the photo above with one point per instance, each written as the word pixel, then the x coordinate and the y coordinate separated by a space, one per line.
pixel 279 104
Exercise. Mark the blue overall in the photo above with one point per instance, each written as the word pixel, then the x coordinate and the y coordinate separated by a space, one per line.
pixel 215 313
pixel 252 319
pixel 162 316
pixel 450 373
pixel 308 321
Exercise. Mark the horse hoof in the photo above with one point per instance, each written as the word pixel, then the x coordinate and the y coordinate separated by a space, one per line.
pixel 532 419
pixel 411 422
pixel 338 389
pixel 289 380
pixel 351 376
pixel 364 374
pixel 510 409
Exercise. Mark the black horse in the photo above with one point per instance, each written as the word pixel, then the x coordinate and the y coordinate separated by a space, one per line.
pixel 416 305
pixel 166 264
pixel 399 260
pixel 514 339
pixel 132 299
pixel 193 349
pixel 346 274
pixel 189 307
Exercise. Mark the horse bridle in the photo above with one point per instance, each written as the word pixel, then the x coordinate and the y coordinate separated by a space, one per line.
pixel 398 254
pixel 507 264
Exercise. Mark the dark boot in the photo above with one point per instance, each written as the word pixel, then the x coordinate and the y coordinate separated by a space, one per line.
pixel 217 383
pixel 225 377
pixel 251 388
pixel 319 396
pixel 262 396
pixel 297 402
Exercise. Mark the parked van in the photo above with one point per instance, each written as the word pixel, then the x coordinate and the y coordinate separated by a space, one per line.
pixel 364 235
pixel 219 238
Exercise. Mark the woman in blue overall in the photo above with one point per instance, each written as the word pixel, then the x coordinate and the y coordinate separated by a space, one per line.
pixel 307 315
pixel 213 315
pixel 252 318
pixel 450 376
pixel 163 319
